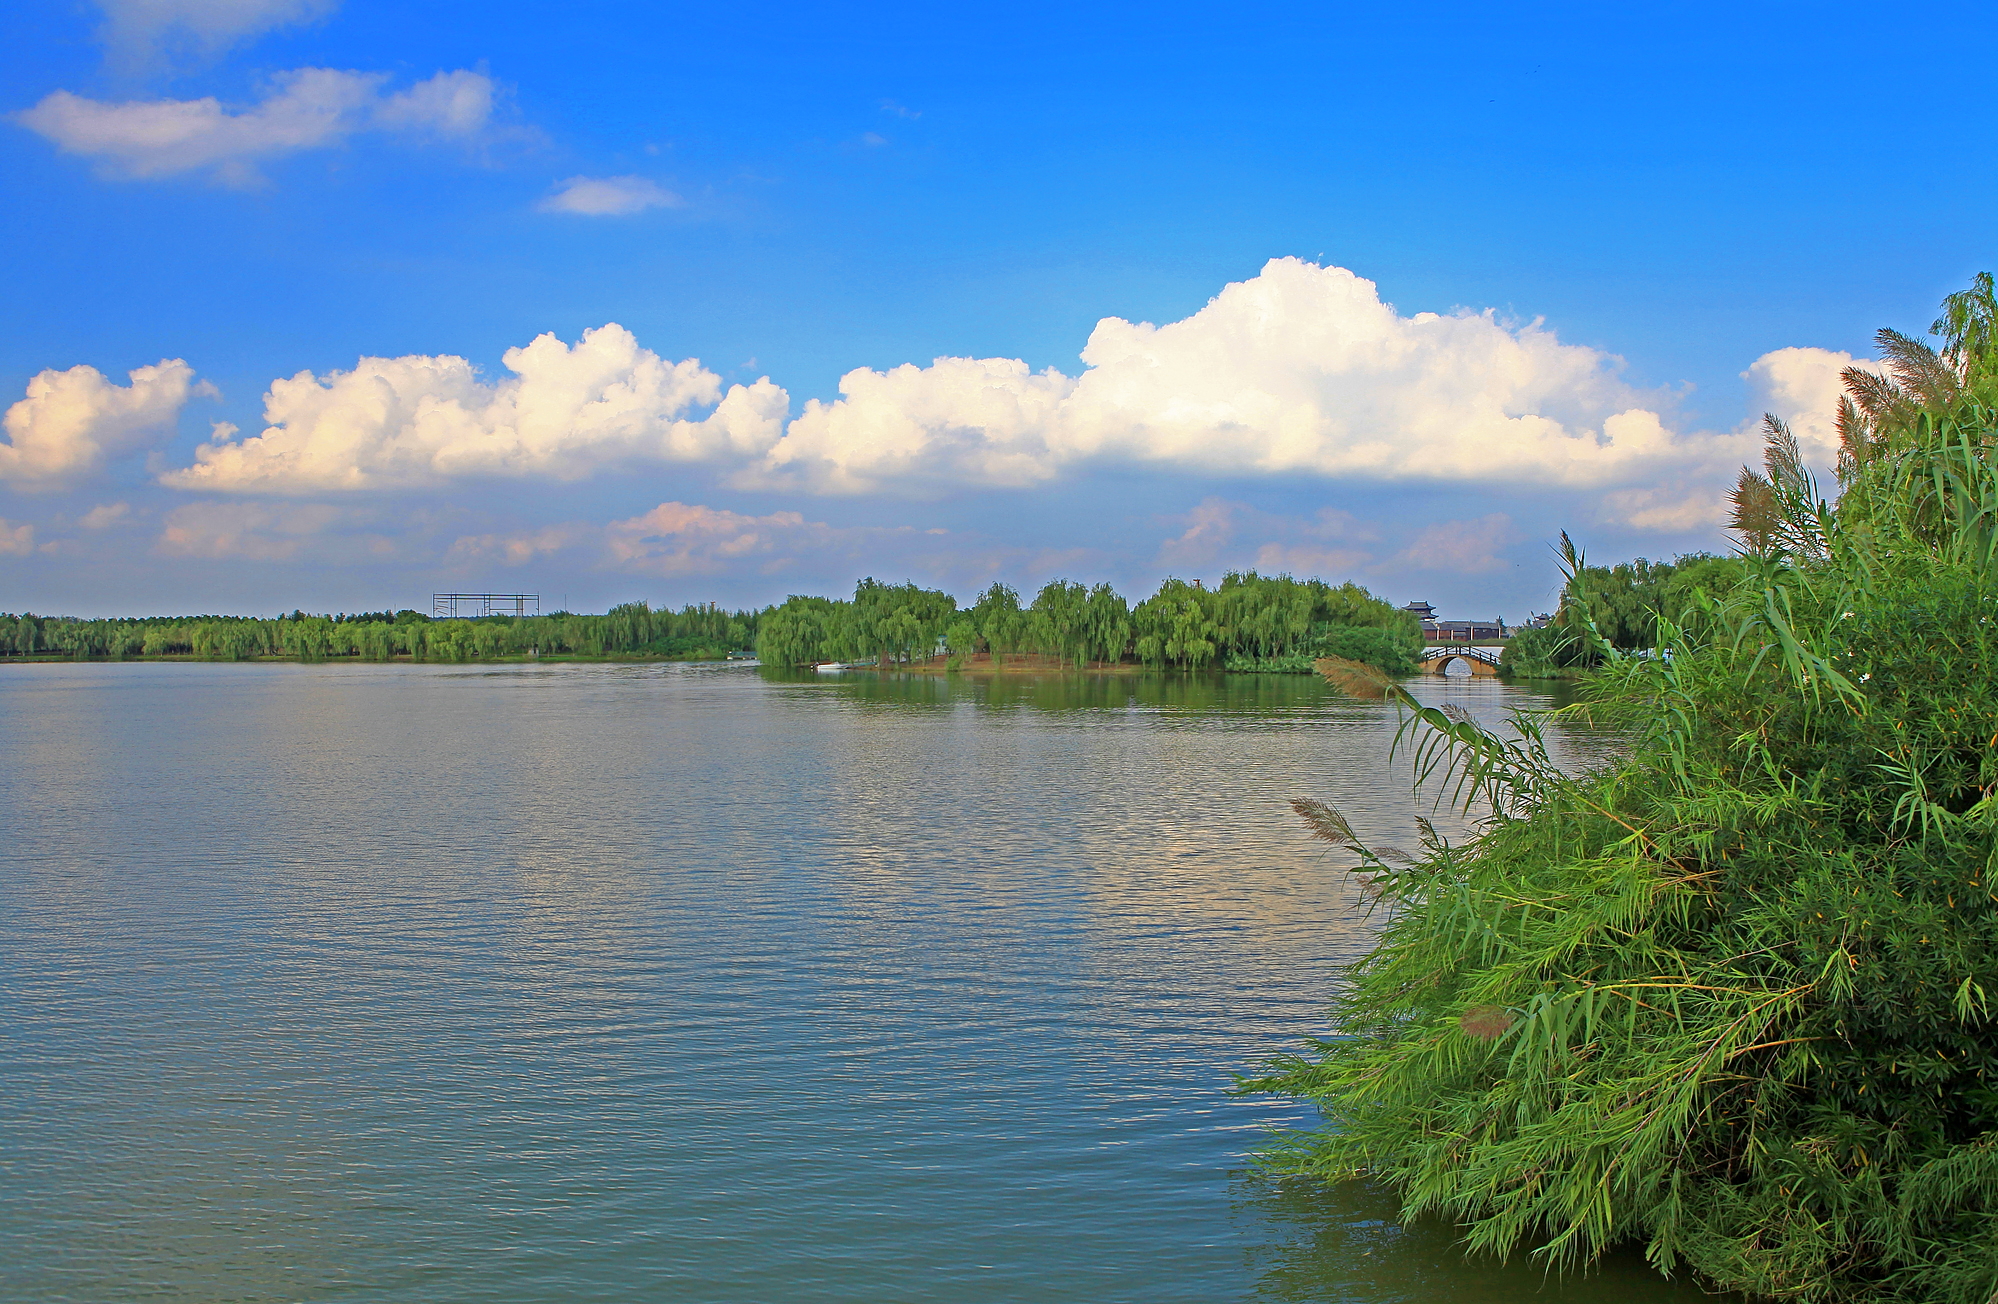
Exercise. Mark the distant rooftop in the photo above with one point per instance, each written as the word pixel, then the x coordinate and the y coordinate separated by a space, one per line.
pixel 1455 631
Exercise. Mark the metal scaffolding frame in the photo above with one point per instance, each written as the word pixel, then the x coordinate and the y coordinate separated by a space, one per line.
pixel 444 606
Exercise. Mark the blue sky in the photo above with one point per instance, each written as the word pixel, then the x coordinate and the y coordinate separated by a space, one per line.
pixel 1705 209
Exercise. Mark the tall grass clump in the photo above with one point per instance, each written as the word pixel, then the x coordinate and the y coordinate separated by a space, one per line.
pixel 1733 998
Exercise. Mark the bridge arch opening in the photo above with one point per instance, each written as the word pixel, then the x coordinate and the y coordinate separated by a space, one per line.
pixel 1461 662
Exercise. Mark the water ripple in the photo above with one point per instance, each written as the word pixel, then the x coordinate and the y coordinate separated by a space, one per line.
pixel 578 983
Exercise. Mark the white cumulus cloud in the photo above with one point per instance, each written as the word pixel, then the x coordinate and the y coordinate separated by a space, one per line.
pixel 1803 387
pixel 981 421
pixel 16 540
pixel 73 421
pixel 609 197
pixel 454 105
pixel 306 108
pixel 1299 369
pixel 565 413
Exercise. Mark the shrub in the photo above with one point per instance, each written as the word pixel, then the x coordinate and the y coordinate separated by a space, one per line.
pixel 1734 997
pixel 1393 652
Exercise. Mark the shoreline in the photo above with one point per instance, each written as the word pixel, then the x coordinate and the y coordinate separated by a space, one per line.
pixel 402 658
pixel 978 666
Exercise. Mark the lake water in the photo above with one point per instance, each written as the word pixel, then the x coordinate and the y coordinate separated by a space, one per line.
pixel 571 983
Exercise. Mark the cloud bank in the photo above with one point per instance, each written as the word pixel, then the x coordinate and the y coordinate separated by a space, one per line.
pixel 1301 369
pixel 139 32
pixel 72 422
pixel 565 413
pixel 304 109
pixel 1301 372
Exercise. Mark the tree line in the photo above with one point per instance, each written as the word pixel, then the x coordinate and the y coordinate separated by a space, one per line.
pixel 633 629
pixel 1249 622
pixel 1621 603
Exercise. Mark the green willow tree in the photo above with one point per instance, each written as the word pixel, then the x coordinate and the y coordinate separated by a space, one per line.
pixel 1250 623
pixel 1075 623
pixel 1176 626
pixel 998 621
pixel 1057 621
pixel 1622 603
pixel 1732 997
pixel 631 629
pixel 798 633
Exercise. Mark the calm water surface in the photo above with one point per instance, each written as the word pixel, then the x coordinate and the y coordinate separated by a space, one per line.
pixel 576 983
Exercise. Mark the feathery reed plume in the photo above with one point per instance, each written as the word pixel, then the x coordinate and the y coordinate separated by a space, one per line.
pixel 1325 822
pixel 1330 826
pixel 1354 678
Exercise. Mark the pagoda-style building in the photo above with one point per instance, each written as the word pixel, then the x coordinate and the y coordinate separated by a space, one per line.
pixel 1455 631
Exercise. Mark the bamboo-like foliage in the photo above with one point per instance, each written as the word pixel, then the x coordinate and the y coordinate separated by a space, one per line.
pixel 1734 997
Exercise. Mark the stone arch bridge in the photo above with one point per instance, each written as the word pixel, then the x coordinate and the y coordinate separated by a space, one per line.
pixel 1483 661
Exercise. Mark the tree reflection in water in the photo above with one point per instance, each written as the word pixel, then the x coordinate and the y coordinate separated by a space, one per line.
pixel 1342 1244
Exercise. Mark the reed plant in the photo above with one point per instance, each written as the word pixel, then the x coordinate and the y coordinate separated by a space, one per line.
pixel 1733 997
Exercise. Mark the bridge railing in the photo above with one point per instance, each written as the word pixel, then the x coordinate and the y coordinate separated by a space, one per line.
pixel 1441 652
